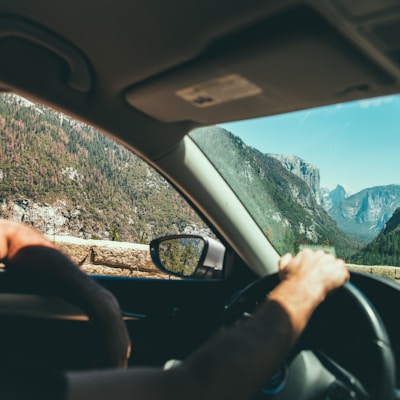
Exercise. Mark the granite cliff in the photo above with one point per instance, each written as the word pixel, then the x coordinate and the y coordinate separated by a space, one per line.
pixel 304 170
pixel 364 214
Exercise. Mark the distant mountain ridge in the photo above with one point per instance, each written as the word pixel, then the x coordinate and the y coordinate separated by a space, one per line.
pixel 364 214
pixel 333 197
pixel 370 216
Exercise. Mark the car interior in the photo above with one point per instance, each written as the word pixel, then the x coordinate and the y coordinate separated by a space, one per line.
pixel 146 74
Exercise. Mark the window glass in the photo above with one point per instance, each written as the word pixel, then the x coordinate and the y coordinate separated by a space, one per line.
pixel 96 199
pixel 326 177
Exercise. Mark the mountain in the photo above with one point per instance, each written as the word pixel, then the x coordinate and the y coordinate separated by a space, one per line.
pixel 289 213
pixel 304 170
pixel 364 214
pixel 66 179
pixel 385 248
pixel 333 197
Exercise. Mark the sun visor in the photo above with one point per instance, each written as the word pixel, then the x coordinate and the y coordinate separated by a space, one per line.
pixel 293 62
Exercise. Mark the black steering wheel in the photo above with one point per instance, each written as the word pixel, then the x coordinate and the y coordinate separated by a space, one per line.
pixel 110 345
pixel 344 353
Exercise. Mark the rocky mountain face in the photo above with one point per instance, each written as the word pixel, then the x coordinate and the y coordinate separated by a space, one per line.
pixel 304 170
pixel 332 197
pixel 361 216
pixel 364 214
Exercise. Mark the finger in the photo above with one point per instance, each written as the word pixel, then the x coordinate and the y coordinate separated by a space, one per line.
pixel 342 264
pixel 284 261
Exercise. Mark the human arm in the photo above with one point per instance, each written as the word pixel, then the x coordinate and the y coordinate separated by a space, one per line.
pixel 235 363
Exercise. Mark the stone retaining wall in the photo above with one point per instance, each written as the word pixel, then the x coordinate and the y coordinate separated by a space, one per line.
pixel 392 273
pixel 129 259
pixel 109 258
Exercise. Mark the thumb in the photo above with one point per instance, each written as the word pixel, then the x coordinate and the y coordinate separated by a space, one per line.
pixel 283 262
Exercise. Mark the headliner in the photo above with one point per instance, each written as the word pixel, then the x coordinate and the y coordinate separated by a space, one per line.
pixel 122 66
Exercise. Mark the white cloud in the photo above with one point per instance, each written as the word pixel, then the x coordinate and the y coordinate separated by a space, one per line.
pixel 376 102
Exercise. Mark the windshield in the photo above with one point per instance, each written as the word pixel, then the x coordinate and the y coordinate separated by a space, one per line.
pixel 326 177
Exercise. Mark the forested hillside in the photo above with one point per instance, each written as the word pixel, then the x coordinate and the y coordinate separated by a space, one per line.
pixel 93 187
pixel 385 248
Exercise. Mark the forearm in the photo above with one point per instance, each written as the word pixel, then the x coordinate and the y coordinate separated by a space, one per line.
pixel 232 365
pixel 298 301
pixel 250 352
pixel 236 362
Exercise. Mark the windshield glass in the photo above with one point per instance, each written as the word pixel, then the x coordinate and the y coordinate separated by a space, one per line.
pixel 321 177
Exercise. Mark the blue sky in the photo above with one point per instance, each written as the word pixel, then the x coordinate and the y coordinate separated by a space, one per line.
pixel 355 144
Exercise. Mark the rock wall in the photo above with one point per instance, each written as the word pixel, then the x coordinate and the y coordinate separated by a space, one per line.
pixel 365 213
pixel 304 170
pixel 109 258
pixel 133 260
pixel 392 273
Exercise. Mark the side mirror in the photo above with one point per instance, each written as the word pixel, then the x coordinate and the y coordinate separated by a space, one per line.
pixel 188 256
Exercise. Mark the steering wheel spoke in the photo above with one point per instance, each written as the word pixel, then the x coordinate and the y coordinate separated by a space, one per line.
pixel 330 362
pixel 346 385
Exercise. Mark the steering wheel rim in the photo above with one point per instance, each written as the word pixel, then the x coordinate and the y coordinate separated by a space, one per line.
pixel 244 301
pixel 112 342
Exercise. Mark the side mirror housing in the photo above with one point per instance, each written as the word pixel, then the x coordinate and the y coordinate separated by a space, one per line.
pixel 188 256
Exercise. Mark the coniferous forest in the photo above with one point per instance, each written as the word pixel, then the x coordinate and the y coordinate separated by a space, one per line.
pixel 385 248
pixel 98 188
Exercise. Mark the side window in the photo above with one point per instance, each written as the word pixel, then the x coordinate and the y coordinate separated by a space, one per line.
pixel 99 202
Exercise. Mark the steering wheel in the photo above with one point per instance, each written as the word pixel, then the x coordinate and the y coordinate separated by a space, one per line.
pixel 330 361
pixel 111 343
